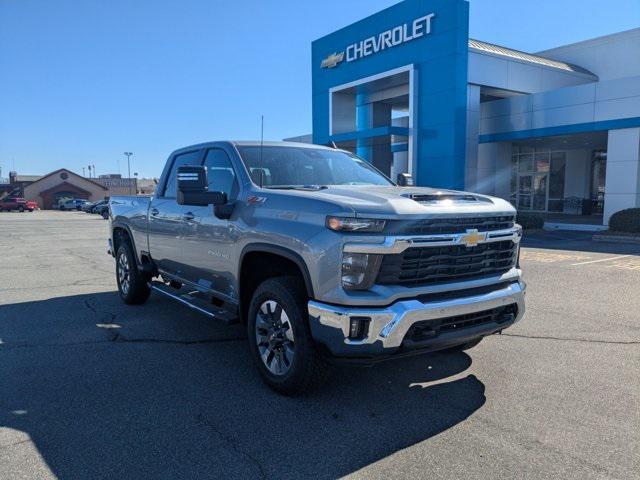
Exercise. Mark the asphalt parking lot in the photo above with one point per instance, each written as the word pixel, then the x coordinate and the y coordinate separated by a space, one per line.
pixel 92 388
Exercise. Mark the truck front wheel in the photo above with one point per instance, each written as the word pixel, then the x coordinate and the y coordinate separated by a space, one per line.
pixel 132 284
pixel 280 339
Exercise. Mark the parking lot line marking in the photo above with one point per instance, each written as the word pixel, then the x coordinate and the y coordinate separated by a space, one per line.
pixel 601 260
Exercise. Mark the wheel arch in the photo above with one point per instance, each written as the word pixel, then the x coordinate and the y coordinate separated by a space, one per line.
pixel 122 232
pixel 282 252
pixel 247 282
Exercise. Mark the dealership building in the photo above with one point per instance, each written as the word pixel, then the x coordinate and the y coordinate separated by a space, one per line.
pixel 556 131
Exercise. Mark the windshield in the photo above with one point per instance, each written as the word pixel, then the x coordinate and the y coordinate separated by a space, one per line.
pixel 292 167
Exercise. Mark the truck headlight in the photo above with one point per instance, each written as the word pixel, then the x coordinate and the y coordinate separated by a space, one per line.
pixel 359 270
pixel 346 224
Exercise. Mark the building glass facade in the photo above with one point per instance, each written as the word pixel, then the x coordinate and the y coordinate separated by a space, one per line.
pixel 556 132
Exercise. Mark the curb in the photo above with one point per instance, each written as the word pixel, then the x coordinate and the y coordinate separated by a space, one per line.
pixel 598 237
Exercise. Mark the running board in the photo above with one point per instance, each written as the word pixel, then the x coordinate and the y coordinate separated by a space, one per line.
pixel 196 301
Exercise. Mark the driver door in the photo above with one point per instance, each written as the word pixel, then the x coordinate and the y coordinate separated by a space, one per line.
pixel 209 241
pixel 167 221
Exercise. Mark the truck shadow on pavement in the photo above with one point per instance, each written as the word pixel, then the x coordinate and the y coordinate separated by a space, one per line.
pixel 98 389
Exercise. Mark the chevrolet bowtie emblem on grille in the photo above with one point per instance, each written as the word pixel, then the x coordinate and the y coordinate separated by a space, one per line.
pixel 473 238
pixel 332 60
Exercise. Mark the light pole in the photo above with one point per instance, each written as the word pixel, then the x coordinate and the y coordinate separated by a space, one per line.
pixel 128 155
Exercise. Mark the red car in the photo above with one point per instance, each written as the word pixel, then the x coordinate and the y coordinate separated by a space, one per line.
pixel 17 203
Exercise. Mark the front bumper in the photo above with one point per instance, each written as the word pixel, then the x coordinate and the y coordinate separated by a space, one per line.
pixel 388 326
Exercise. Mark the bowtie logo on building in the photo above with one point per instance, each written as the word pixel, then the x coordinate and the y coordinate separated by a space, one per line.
pixel 332 60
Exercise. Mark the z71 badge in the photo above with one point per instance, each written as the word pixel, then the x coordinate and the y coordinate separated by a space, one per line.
pixel 255 200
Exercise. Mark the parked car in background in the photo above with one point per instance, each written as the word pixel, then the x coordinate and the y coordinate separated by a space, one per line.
pixel 102 210
pixel 17 203
pixel 92 207
pixel 31 205
pixel 74 204
pixel 87 208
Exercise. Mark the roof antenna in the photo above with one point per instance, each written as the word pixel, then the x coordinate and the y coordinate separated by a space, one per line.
pixel 261 146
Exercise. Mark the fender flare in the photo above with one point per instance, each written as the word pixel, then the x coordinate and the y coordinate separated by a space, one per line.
pixel 126 227
pixel 283 252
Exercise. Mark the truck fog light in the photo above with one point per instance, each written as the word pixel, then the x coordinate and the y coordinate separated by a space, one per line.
pixel 359 270
pixel 359 328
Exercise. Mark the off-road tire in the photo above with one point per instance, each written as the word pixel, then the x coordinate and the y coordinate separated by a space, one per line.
pixel 307 371
pixel 135 290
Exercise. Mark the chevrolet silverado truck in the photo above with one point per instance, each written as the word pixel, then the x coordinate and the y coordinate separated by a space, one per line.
pixel 320 255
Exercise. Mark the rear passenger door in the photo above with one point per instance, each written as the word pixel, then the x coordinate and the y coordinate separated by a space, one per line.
pixel 167 219
pixel 210 241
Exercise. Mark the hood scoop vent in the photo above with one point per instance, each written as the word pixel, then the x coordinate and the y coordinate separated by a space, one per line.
pixel 435 198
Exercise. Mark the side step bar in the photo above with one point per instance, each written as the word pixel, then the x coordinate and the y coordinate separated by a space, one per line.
pixel 196 301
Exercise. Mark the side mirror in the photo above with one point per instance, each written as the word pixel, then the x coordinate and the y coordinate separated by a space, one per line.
pixel 405 180
pixel 193 187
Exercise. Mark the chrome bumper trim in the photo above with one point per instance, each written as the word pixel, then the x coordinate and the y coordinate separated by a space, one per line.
pixel 389 325
pixel 398 244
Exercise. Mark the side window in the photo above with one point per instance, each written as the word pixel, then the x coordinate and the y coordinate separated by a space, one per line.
pixel 189 158
pixel 220 173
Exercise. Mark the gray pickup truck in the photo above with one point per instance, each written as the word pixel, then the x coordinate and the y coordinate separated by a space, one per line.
pixel 323 257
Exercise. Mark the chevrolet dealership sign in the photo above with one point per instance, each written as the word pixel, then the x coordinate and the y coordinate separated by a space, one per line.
pixel 387 39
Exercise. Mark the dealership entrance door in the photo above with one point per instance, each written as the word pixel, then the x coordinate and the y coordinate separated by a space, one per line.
pixel 373 117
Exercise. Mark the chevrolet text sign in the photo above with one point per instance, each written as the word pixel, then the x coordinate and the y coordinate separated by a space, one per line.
pixel 387 39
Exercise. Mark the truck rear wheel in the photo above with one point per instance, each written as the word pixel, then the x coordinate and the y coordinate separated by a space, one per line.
pixel 280 339
pixel 132 284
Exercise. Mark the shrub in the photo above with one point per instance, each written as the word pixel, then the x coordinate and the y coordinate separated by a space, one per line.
pixel 530 220
pixel 626 221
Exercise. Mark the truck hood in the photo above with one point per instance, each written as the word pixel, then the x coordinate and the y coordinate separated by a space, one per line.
pixel 391 201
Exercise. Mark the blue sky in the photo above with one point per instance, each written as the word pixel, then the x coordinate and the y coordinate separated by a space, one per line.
pixel 82 81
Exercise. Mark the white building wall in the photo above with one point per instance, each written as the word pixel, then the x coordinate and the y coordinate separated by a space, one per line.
pixel 502 175
pixel 519 76
pixel 609 57
pixel 577 176
pixel 601 101
pixel 494 169
pixel 622 188
pixel 473 130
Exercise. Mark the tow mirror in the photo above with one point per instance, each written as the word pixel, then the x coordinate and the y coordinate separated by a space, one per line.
pixel 405 180
pixel 193 187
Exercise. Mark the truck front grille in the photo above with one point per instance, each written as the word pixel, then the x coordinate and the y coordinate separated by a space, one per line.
pixel 437 226
pixel 421 266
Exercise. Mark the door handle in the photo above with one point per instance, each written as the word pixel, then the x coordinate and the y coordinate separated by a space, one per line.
pixel 154 212
pixel 188 216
